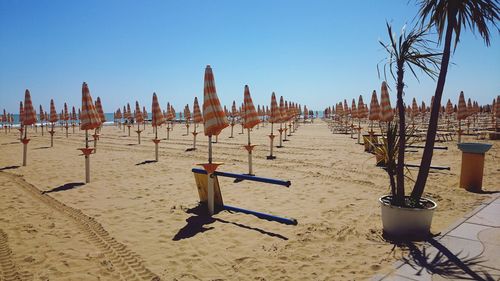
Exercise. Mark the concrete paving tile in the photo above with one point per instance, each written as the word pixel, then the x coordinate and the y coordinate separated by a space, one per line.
pixel 491 256
pixel 412 272
pixel 396 277
pixel 490 236
pixel 468 231
pixel 460 247
pixel 489 216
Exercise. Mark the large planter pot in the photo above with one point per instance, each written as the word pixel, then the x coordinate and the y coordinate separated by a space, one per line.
pixel 407 223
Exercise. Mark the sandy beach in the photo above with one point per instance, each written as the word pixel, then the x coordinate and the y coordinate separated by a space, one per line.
pixel 138 219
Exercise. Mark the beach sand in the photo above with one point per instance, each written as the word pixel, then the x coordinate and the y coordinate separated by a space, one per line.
pixel 137 219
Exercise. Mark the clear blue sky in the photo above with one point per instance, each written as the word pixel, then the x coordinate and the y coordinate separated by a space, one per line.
pixel 312 52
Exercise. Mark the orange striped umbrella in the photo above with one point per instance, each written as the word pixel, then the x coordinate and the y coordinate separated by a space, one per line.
pixel 29 112
pixel 89 117
pixel 470 109
pixel 129 112
pixel 170 116
pixel 197 117
pixel 119 114
pixel 354 112
pixel 361 108
pixel 250 117
pixel 414 108
pixel 449 107
pixel 124 112
pixel 100 111
pixel 345 109
pixel 73 114
pixel 42 116
pixel 275 116
pixel 145 115
pixel 496 106
pixel 386 111
pixel 213 116
pixel 157 116
pixel 287 112
pixel 21 113
pixel 172 113
pixel 53 112
pixel 234 110
pixel 65 114
pixel 423 108
pixel 187 113
pixel 282 110
pixel 138 113
pixel 462 107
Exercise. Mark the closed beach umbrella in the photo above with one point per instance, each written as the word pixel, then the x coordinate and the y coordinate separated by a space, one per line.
pixel 89 120
pixel 461 113
pixel 187 117
pixel 387 115
pixel 138 119
pixel 100 111
pixel 197 118
pixel 215 121
pixel 251 119
pixel 73 118
pixel 156 121
pixel 29 118
pixel 414 108
pixel 21 117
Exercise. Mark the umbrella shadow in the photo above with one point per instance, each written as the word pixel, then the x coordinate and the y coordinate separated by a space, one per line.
pixel 9 168
pixel 436 259
pixel 7 143
pixel 197 224
pixel 42 147
pixel 64 187
pixel 146 162
pixel 131 144
pixel 190 149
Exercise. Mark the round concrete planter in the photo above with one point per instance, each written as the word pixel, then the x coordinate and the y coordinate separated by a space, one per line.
pixel 401 222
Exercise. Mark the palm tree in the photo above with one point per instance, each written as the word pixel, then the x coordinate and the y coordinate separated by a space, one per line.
pixel 452 14
pixel 410 50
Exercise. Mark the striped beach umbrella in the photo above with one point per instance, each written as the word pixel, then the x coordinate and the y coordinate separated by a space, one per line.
pixel 138 114
pixel 29 118
pixel 470 108
pixel 21 116
pixel 197 117
pixel 387 114
pixel 251 117
pixel 29 112
pixel 145 115
pixel 414 108
pixel 213 116
pixel 89 120
pixel 462 107
pixel 275 114
pixel 449 107
pixel 361 108
pixel 53 113
pixel 157 116
pixel 100 111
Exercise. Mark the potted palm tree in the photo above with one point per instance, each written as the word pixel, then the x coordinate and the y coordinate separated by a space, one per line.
pixel 403 215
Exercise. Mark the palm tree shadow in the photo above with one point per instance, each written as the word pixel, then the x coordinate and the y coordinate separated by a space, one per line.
pixel 437 259
pixel 9 168
pixel 64 187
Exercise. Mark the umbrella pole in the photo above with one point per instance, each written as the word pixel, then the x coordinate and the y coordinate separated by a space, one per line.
pixel 87 158
pixel 138 133
pixel 359 130
pixel 25 146
pixel 52 136
pixel 210 180
pixel 156 143
pixel 249 154
pixel 271 138
pixel 459 131
pixel 194 137
pixel 281 135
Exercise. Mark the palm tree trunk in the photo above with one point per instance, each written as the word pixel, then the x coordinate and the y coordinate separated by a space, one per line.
pixel 402 129
pixel 425 164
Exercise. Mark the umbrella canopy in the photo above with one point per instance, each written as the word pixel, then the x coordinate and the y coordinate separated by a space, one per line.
pixel 138 113
pixel 157 116
pixel 187 113
pixel 53 112
pixel 118 114
pixel 497 107
pixel 98 107
pixel 283 112
pixel 234 110
pixel 21 113
pixel 42 116
pixel 354 112
pixel 414 108
pixel 29 112
pixel 449 107
pixel 275 114
pixel 470 108
pixel 213 116
pixel 462 107
pixel 386 111
pixel 65 114
pixel 128 113
pixel 5 118
pixel 89 117
pixel 361 108
pixel 251 117
pixel 169 115
pixel 73 113
pixel 197 117
pixel 144 113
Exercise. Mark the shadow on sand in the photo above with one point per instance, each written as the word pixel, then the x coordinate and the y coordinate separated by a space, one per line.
pixel 64 187
pixel 146 162
pixel 197 224
pixel 9 168
pixel 42 147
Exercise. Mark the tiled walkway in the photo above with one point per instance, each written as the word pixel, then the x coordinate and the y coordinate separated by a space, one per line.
pixel 468 250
